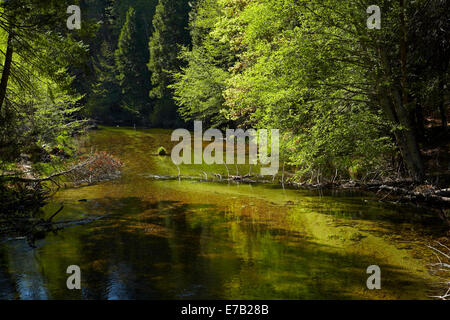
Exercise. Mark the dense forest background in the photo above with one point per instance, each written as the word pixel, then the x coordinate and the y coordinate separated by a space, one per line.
pixel 132 54
pixel 350 101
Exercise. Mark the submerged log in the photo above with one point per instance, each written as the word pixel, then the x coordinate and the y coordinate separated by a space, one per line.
pixel 33 230
pixel 428 196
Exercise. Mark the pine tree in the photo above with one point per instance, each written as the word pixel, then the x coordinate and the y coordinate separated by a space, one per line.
pixel 104 103
pixel 170 32
pixel 145 9
pixel 131 72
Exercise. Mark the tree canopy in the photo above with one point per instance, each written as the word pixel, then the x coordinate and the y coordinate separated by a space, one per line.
pixel 350 100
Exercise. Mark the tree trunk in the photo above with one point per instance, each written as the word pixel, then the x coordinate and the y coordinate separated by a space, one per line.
pixel 392 99
pixel 420 121
pixel 407 142
pixel 6 69
pixel 406 138
pixel 411 152
pixel 442 108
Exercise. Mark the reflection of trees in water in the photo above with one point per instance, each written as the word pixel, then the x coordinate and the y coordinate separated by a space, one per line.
pixel 34 229
pixel 164 250
pixel 123 259
pixel 7 289
pixel 30 227
pixel 26 281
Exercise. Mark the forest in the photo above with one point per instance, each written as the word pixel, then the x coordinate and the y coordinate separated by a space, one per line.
pixel 359 102
pixel 351 101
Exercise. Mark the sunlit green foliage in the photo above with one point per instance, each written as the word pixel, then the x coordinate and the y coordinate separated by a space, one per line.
pixel 39 112
pixel 345 97
pixel 199 88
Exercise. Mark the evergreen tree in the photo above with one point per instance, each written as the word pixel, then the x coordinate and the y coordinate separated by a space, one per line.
pixel 170 32
pixel 99 82
pixel 131 72
pixel 104 104
pixel 145 9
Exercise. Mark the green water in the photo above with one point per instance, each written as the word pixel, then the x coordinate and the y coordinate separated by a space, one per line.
pixel 196 240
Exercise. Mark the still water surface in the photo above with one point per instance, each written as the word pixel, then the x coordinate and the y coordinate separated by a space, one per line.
pixel 196 240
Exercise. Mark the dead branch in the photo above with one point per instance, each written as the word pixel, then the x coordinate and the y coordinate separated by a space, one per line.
pixel 51 177
pixel 441 268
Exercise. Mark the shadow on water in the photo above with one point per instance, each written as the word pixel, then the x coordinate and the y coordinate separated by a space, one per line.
pixel 173 250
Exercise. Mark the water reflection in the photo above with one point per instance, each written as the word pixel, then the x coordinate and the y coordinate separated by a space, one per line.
pixel 172 240
pixel 174 250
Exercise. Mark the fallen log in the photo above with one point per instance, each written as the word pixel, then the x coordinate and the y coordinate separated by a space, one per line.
pixel 443 192
pixel 430 196
pixel 49 178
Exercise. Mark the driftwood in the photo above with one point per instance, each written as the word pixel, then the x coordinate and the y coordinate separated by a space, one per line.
pixel 36 229
pixel 443 192
pixel 441 268
pixel 399 189
pixel 204 178
pixel 32 229
pixel 30 193
pixel 430 197
pixel 49 178
pixel 433 197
